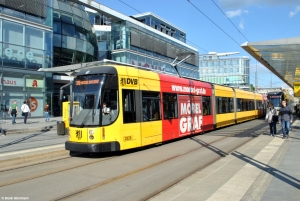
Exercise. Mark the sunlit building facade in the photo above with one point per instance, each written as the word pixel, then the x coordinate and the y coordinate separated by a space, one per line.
pixel 225 71
pixel 40 34
pixel 145 40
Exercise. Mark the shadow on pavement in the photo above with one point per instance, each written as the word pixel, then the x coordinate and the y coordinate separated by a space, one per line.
pixel 210 147
pixel 21 140
pixel 273 171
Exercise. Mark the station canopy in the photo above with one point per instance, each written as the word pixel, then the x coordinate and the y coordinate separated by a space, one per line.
pixel 281 56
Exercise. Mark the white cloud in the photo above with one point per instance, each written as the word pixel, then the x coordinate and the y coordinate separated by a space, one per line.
pixel 233 13
pixel 242 24
pixel 292 13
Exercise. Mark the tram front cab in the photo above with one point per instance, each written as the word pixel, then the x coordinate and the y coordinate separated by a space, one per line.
pixel 92 127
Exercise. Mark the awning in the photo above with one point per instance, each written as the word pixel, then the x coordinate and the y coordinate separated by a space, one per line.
pixel 282 57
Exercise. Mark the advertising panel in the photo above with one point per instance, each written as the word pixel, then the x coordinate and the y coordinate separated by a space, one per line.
pixel 190 114
pixel 12 81
pixel 35 83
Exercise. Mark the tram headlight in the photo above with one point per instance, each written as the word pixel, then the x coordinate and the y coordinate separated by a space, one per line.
pixel 91 132
pixel 91 137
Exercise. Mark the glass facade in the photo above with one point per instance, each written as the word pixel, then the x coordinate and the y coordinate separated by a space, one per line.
pixel 103 38
pixel 155 22
pixel 26 44
pixel 231 72
pixel 37 11
pixel 25 47
pixel 135 45
pixel 73 35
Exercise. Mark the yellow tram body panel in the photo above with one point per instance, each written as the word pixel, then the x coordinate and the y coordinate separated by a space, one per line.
pixel 242 116
pixel 138 134
pixel 222 91
pixel 224 120
pixel 228 118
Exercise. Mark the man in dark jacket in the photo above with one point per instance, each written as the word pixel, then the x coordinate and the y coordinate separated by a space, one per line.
pixel 285 118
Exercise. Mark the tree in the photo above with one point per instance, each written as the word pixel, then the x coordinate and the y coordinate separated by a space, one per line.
pixel 252 88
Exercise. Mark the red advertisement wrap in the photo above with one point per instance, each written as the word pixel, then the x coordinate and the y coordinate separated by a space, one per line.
pixel 190 114
pixel 190 94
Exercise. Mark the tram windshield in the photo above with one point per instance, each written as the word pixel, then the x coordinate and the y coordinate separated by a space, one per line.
pixel 276 100
pixel 95 100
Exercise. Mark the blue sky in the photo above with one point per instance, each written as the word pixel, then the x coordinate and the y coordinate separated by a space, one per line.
pixel 257 20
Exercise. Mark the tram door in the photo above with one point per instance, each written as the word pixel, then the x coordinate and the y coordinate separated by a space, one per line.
pixel 131 127
pixel 151 125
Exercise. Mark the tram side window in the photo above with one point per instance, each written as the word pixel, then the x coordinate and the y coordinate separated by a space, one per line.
pixel 251 104
pixel 206 105
pixel 224 105
pixel 219 105
pixel 245 104
pixel 170 106
pixel 151 106
pixel 238 104
pixel 231 104
pixel 129 106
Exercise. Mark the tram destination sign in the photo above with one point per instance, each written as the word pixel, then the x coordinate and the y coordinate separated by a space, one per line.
pixel 85 82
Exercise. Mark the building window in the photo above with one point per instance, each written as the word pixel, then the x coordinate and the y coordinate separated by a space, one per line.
pixel 13 33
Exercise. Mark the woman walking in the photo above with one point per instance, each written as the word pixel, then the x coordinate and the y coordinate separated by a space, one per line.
pixel 13 110
pixel 272 119
pixel 25 111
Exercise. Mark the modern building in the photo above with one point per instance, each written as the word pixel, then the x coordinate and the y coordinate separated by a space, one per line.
pixel 49 34
pixel 40 34
pixel 26 44
pixel 144 40
pixel 232 71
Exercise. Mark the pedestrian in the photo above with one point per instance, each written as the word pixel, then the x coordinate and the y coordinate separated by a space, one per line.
pixel 46 110
pixel 25 111
pixel 105 109
pixel 2 131
pixel 272 119
pixel 285 118
pixel 13 111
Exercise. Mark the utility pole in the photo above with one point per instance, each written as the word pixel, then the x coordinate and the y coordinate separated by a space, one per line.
pixel 271 81
pixel 256 78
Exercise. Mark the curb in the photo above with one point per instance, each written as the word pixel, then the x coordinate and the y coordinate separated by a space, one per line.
pixel 33 159
pixel 30 130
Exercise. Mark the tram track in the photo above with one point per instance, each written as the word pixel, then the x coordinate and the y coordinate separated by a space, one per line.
pixel 218 135
pixel 139 170
pixel 47 173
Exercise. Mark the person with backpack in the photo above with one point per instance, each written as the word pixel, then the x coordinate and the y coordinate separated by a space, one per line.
pixel 272 119
pixel 25 111
pixel 46 110
pixel 13 111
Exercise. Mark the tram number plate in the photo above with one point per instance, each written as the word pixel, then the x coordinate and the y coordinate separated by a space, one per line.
pixel 126 138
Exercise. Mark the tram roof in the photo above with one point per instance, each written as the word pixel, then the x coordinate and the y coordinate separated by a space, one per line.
pixel 280 56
